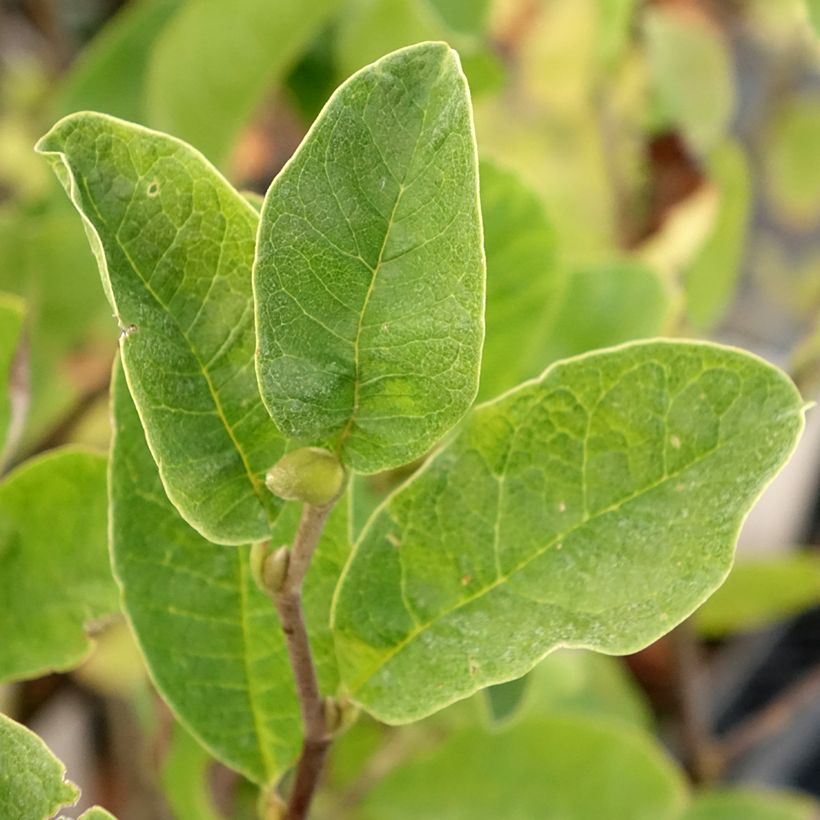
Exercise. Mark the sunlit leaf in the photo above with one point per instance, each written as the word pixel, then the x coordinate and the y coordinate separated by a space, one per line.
pixel 210 637
pixel 175 246
pixel 597 507
pixel 369 278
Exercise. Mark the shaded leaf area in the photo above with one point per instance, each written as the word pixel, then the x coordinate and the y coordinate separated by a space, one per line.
pixel 369 278
pixel 175 244
pixel 109 75
pixel 55 577
pixel 32 780
pixel 710 281
pixel 605 305
pixel 524 282
pixel 210 637
pixel 750 804
pixel 760 591
pixel 549 767
pixel 218 57
pixel 11 329
pixel 596 507
pixel 573 682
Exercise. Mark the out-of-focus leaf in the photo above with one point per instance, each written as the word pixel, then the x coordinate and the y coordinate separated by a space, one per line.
pixel 791 167
pixel 210 636
pixel 55 576
pixel 760 591
pixel 32 780
pixel 549 768
pixel 115 667
pixel 710 281
pixel 175 245
pixel 215 61
pixel 372 28
pixel 369 273
pixel 109 74
pixel 463 15
pixel 750 804
pixel 184 777
pixel 691 69
pixel 11 328
pixel 524 282
pixel 813 9
pixel 614 25
pixel 95 813
pixel 597 506
pixel 605 305
pixel 504 699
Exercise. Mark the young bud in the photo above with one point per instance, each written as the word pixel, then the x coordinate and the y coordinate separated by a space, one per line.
pixel 339 714
pixel 309 474
pixel 269 568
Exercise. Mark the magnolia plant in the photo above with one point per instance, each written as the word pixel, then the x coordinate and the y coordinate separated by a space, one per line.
pixel 269 359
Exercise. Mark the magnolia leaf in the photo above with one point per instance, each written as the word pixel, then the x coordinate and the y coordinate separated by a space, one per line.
pixel 524 282
pixel 550 768
pixel 32 780
pixel 55 578
pixel 11 330
pixel 710 280
pixel 95 813
pixel 210 636
pixel 175 246
pixel 185 777
pixel 595 507
pixel 215 61
pixel 369 277
pixel 750 804
pixel 605 305
pixel 760 591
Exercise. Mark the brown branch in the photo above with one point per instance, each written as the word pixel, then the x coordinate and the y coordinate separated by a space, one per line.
pixel 288 600
pixel 699 747
pixel 770 719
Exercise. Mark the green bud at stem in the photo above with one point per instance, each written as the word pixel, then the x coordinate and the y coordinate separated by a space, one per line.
pixel 309 474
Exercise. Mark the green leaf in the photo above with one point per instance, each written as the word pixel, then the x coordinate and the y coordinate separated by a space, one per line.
pixel 760 591
pixel 184 777
pixel 109 74
pixel 55 577
pixel 524 282
pixel 369 277
pixel 463 15
pixel 215 61
pixel 813 11
pixel 96 813
pixel 210 636
pixel 11 330
pixel 549 768
pixel 750 804
pixel 710 281
pixel 605 305
pixel 32 780
pixel 175 247
pixel 595 507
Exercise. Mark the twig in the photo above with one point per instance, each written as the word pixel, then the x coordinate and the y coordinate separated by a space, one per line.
pixel 699 746
pixel 288 600
pixel 771 718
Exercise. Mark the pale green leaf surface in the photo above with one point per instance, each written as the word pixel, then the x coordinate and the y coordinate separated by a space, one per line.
pixel 55 576
pixel 750 804
pixel 96 813
pixel 760 591
pixel 605 305
pixel 215 61
pixel 32 780
pixel 109 74
pixel 710 281
pixel 463 15
pixel 524 281
pixel 813 9
pixel 175 246
pixel 595 507
pixel 369 278
pixel 11 328
pixel 550 768
pixel 210 637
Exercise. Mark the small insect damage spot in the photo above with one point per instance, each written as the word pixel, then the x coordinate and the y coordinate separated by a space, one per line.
pixel 126 331
pixel 393 540
pixel 153 188
pixel 675 442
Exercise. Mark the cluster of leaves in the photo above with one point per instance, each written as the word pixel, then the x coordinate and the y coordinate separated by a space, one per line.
pixel 542 521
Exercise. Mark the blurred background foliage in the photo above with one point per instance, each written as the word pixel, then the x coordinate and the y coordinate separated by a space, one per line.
pixel 647 167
